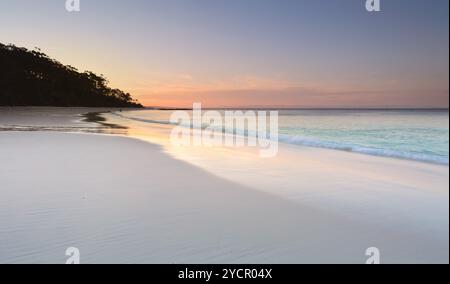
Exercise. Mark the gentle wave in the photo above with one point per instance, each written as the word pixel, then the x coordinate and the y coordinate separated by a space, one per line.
pixel 297 140
pixel 302 141
pixel 151 121
pixel 142 119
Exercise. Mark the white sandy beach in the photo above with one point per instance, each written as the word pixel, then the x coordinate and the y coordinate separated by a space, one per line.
pixel 121 200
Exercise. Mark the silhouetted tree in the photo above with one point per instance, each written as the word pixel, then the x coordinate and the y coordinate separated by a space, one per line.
pixel 31 78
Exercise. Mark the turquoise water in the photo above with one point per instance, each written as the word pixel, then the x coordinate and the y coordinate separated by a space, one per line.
pixel 416 135
pixel 408 134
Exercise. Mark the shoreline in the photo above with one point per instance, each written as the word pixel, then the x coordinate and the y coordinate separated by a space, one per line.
pixel 101 192
pixel 367 151
pixel 97 115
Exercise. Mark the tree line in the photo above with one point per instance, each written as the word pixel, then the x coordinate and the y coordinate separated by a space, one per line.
pixel 31 78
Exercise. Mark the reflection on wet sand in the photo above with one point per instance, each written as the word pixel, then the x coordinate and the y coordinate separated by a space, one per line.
pixel 101 126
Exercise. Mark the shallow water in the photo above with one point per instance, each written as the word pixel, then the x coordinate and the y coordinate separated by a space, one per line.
pixel 408 134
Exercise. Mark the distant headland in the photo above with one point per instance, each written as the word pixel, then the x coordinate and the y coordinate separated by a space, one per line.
pixel 31 78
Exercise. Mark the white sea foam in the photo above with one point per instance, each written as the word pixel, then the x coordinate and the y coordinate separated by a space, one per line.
pixel 297 140
pixel 358 141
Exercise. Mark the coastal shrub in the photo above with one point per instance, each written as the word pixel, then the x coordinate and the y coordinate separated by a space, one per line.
pixel 31 78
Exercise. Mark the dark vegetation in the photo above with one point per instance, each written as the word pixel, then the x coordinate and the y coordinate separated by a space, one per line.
pixel 31 78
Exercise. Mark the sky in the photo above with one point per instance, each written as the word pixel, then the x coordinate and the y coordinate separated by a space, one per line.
pixel 248 53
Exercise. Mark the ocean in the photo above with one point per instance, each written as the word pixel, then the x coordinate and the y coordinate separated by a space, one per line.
pixel 420 135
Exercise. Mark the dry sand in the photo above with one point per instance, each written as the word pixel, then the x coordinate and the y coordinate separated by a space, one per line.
pixel 120 200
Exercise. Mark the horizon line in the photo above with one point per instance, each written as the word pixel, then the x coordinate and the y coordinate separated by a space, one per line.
pixel 302 108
